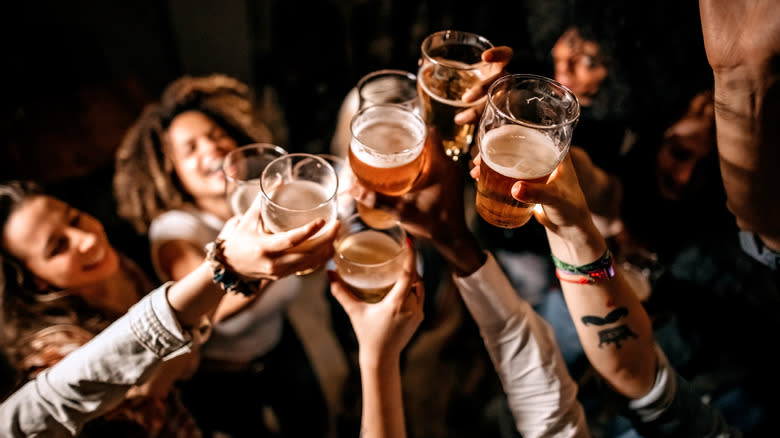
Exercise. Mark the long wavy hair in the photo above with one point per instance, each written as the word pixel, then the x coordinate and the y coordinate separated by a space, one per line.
pixel 39 325
pixel 145 182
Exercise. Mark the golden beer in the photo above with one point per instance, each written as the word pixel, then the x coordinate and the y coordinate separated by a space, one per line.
pixel 508 154
pixel 441 99
pixel 369 262
pixel 385 152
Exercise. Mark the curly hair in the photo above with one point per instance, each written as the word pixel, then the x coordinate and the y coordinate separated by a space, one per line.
pixel 145 183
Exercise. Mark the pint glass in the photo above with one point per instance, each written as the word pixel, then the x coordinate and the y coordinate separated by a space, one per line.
pixel 451 64
pixel 388 86
pixel 385 152
pixel 242 168
pixel 524 133
pixel 369 260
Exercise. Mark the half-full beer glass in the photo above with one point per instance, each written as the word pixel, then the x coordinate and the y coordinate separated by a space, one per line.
pixel 298 189
pixel 369 260
pixel 242 168
pixel 385 153
pixel 524 133
pixel 451 64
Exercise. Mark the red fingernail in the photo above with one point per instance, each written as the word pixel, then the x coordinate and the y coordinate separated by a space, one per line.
pixel 409 242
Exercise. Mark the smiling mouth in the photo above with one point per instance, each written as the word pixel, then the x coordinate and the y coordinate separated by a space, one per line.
pixel 95 260
pixel 214 167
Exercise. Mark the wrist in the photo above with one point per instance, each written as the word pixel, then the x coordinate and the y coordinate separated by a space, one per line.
pixel 371 362
pixel 577 245
pixel 463 253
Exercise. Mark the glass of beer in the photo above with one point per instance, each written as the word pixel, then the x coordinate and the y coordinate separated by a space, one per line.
pixel 297 189
pixel 451 64
pixel 385 153
pixel 242 168
pixel 369 260
pixel 398 87
pixel 524 133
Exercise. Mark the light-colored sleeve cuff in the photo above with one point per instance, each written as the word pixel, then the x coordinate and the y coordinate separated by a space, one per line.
pixel 660 397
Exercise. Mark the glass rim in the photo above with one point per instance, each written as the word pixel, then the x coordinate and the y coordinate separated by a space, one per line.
pixel 260 146
pixel 449 63
pixel 390 106
pixel 386 72
pixel 508 77
pixel 303 155
pixel 344 232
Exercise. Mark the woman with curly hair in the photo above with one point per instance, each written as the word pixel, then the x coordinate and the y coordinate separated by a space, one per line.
pixel 62 283
pixel 169 184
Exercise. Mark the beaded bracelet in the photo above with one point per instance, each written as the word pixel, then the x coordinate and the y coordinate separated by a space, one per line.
pixel 601 269
pixel 227 279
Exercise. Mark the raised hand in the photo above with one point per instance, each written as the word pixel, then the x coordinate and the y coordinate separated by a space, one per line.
pixel 253 252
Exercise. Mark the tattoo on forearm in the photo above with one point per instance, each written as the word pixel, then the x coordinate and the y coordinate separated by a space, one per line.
pixel 614 335
pixel 611 317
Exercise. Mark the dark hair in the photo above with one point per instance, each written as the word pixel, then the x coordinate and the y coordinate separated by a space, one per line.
pixel 25 309
pixel 145 184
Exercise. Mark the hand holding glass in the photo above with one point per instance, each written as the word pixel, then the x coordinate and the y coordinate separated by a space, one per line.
pixel 523 134
pixel 298 189
pixel 451 64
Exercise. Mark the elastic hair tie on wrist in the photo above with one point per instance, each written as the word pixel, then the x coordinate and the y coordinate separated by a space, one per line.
pixel 601 269
pixel 227 279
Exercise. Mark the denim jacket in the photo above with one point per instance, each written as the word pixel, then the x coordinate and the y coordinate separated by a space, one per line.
pixel 94 379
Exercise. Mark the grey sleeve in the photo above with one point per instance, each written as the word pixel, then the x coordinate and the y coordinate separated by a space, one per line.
pixel 95 377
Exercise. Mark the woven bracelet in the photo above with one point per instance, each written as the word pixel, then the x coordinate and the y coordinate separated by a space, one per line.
pixel 227 279
pixel 601 269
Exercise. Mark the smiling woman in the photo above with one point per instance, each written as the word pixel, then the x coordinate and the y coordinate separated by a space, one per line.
pixel 62 283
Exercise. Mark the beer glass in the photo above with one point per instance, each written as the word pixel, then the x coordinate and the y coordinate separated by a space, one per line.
pixel 242 168
pixel 451 64
pixel 388 86
pixel 524 133
pixel 369 260
pixel 385 154
pixel 297 189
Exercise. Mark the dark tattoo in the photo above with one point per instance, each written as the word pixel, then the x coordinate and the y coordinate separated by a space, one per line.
pixel 615 335
pixel 611 317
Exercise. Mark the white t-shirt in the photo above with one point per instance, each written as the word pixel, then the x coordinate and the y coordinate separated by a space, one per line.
pixel 255 330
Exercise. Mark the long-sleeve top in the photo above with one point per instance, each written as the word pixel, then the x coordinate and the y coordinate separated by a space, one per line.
pixel 94 378
pixel 522 347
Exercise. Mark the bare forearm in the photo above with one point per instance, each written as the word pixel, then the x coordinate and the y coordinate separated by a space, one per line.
pixel 194 295
pixel 747 102
pixel 613 328
pixel 383 414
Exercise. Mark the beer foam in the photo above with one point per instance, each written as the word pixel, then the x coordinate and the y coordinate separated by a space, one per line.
pixel 519 152
pixel 386 144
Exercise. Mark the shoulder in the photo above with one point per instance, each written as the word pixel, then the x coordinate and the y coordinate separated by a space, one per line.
pixel 184 224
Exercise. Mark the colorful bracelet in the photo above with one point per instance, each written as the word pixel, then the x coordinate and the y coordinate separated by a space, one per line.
pixel 227 279
pixel 601 269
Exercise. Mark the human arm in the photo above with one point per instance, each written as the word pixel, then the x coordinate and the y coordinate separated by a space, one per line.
pixel 521 345
pixel 742 42
pixel 613 327
pixel 383 329
pixel 164 325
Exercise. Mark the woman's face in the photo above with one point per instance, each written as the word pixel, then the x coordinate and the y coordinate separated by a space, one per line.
pixel 685 146
pixel 579 65
pixel 60 245
pixel 197 147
